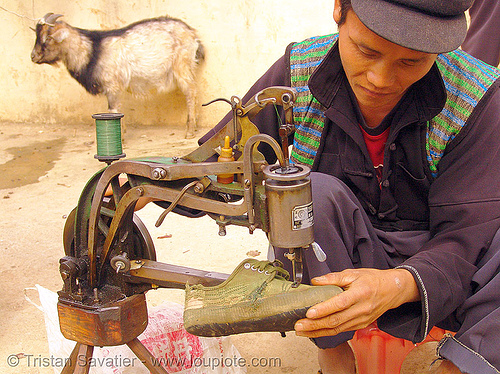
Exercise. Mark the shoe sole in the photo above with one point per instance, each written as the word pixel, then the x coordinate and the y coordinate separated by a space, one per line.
pixel 282 322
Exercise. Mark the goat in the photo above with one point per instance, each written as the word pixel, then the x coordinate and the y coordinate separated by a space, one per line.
pixel 157 53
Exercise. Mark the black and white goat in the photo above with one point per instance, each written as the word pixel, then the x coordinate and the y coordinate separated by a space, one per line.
pixel 153 54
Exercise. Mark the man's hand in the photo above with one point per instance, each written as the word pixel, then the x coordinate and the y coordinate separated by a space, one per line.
pixel 368 293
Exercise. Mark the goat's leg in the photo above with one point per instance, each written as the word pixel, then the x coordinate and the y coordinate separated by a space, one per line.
pixel 191 119
pixel 114 107
pixel 113 102
pixel 188 88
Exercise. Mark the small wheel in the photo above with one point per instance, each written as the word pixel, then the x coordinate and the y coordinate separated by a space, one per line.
pixel 120 263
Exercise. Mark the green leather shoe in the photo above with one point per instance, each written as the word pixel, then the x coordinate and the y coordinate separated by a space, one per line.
pixel 257 296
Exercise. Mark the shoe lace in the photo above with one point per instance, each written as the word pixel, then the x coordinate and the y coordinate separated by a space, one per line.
pixel 275 270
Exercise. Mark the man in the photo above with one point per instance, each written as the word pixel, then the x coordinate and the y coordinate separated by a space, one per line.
pixel 403 140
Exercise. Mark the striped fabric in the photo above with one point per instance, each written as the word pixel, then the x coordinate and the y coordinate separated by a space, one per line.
pixel 466 80
pixel 307 111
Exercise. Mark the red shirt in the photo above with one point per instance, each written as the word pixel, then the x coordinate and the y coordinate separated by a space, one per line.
pixel 376 145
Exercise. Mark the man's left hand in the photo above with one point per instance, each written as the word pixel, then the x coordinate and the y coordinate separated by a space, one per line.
pixel 368 293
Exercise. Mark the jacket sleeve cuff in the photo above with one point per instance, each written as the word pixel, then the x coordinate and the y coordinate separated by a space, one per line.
pixel 409 321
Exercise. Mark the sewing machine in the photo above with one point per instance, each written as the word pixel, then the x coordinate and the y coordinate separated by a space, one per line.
pixel 110 260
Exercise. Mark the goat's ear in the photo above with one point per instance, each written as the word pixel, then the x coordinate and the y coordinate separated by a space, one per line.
pixel 60 34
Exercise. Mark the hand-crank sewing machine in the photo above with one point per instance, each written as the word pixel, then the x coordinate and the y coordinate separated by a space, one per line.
pixel 110 260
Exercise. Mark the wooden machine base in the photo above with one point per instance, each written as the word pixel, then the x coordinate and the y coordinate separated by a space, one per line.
pixel 105 325
pixel 112 324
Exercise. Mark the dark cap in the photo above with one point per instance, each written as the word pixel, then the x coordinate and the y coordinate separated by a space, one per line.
pixel 433 26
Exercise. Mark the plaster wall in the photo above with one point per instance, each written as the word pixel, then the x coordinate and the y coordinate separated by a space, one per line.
pixel 242 39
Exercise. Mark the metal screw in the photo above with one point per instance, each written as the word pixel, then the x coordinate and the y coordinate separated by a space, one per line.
pixel 158 173
pixel 199 188
pixel 222 230
pixel 119 266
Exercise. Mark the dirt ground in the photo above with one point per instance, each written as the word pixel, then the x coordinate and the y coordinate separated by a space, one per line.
pixel 43 170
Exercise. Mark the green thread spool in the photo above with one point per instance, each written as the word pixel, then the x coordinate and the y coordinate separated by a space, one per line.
pixel 109 136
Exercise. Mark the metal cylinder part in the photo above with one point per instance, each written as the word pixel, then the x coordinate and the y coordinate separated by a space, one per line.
pixel 289 201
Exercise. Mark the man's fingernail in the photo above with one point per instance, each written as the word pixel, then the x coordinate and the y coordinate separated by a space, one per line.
pixel 320 279
pixel 311 313
pixel 299 327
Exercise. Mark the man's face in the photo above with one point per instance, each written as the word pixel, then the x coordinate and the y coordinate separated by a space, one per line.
pixel 378 70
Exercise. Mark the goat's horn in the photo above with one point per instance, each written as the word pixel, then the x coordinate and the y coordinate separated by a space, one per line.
pixel 53 18
pixel 49 19
pixel 43 20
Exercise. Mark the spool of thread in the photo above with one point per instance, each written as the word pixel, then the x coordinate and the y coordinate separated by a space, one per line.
pixel 108 136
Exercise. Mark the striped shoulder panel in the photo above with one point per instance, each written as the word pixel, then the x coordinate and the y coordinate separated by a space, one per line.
pixel 307 111
pixel 466 80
